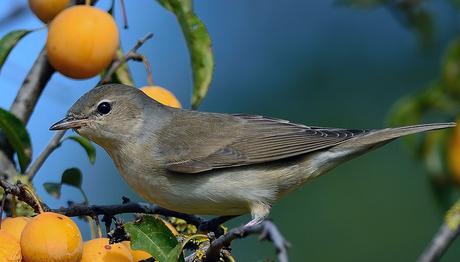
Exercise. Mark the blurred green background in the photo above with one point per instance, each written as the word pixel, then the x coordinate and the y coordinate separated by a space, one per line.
pixel 323 63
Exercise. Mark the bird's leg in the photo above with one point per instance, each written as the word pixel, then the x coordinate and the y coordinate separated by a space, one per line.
pixel 259 212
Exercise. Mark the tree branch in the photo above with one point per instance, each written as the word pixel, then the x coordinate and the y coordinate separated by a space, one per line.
pixel 130 207
pixel 446 234
pixel 52 145
pixel 119 62
pixel 32 87
pixel 267 230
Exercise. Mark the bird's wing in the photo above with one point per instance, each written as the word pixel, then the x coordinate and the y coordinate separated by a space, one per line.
pixel 224 141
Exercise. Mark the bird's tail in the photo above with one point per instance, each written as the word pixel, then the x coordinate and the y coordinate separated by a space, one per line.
pixel 382 136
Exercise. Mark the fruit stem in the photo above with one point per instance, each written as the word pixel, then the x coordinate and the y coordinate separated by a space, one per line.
pixel 148 69
pixel 35 198
pixel 98 226
pixel 91 226
pixel 123 12
pixel 13 209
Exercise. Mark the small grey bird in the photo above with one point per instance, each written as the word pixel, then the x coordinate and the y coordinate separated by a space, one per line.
pixel 209 163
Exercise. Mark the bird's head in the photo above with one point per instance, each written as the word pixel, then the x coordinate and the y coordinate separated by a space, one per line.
pixel 106 114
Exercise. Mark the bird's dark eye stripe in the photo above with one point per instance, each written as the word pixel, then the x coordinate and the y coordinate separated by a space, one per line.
pixel 104 108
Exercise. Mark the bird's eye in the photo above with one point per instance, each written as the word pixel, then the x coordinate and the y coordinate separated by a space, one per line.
pixel 104 108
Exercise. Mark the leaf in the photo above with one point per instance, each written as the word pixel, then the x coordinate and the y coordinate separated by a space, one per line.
pixel 87 145
pixel 8 42
pixel 17 136
pixel 72 177
pixel 199 45
pixel 153 236
pixel 176 252
pixel 54 189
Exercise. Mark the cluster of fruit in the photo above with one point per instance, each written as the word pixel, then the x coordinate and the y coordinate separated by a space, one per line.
pixel 55 237
pixel 82 41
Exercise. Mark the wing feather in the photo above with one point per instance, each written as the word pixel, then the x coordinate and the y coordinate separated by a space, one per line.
pixel 225 141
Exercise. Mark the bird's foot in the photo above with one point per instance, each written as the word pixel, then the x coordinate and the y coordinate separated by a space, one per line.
pixel 265 228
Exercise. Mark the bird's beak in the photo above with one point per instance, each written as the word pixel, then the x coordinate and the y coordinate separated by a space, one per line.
pixel 68 123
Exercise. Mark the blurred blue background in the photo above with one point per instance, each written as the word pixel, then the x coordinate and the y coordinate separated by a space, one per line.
pixel 313 62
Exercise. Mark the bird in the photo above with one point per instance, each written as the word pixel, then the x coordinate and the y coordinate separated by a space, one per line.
pixel 205 163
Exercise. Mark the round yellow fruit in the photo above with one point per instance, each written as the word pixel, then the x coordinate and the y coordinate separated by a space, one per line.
pixel 161 95
pixel 51 237
pixel 82 41
pixel 46 10
pixel 454 153
pixel 10 250
pixel 99 250
pixel 14 226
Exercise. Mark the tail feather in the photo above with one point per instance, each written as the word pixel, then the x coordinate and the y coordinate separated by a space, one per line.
pixel 382 136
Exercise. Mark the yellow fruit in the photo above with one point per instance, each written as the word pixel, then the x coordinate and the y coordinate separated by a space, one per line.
pixel 51 237
pixel 139 255
pixel 99 250
pixel 10 250
pixel 161 95
pixel 14 226
pixel 82 41
pixel 46 10
pixel 454 153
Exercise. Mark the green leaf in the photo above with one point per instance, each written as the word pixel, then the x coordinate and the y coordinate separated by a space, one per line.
pixel 176 253
pixel 17 136
pixel 54 189
pixel 72 177
pixel 87 145
pixel 153 236
pixel 199 45
pixel 8 42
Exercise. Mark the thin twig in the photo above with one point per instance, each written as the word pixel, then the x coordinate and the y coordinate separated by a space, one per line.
pixel 446 234
pixel 148 69
pixel 131 207
pixel 125 17
pixel 52 145
pixel 441 241
pixel 119 62
pixel 267 230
